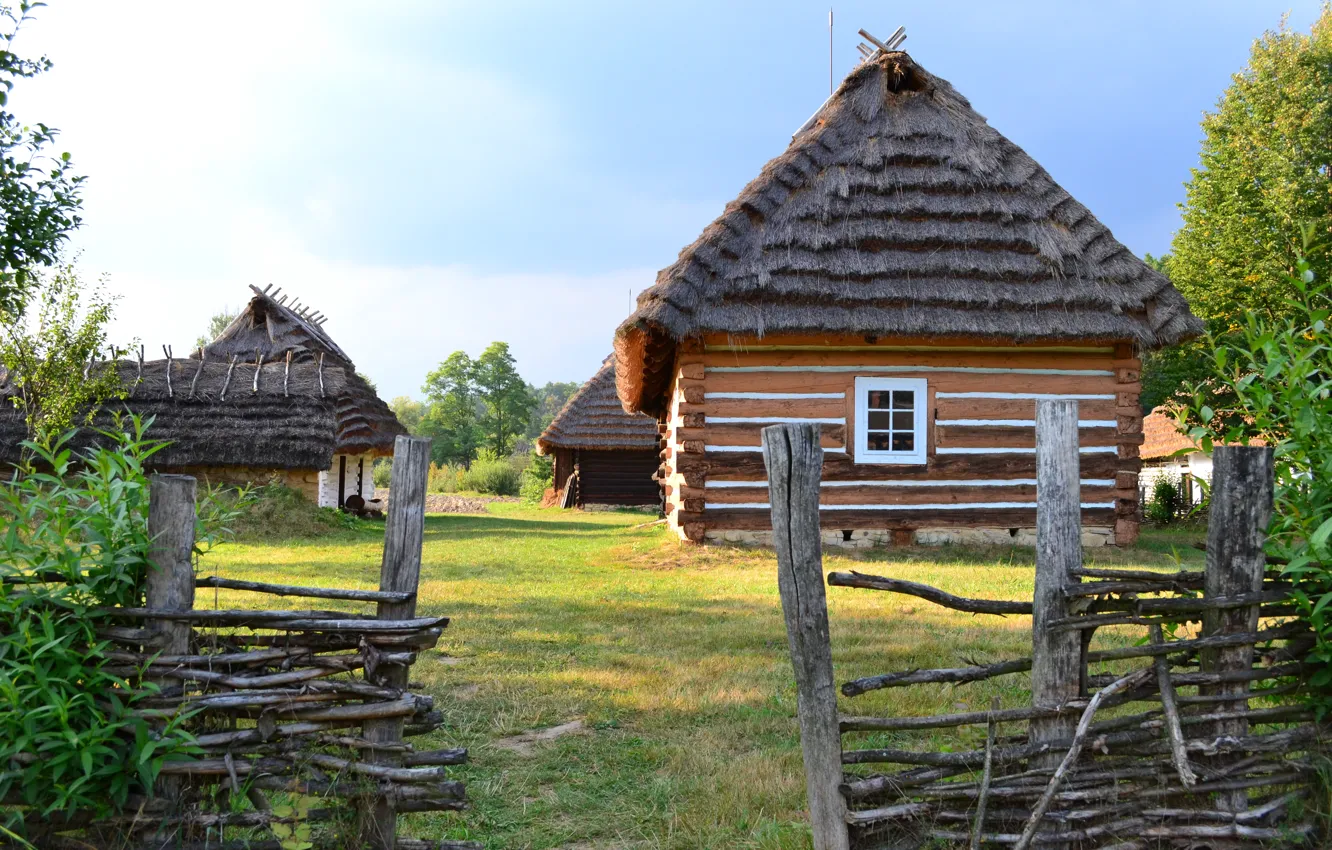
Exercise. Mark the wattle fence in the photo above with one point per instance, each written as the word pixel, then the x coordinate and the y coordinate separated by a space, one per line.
pixel 311 708
pixel 1179 750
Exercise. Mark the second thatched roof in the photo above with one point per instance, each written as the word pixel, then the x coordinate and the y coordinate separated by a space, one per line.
pixel 592 418
pixel 898 211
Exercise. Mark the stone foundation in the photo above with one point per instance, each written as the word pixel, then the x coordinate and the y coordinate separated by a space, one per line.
pixel 1092 536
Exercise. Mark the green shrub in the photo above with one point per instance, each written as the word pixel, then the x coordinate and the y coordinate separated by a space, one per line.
pixel 1165 503
pixel 1280 372
pixel 70 735
pixel 275 512
pixel 497 477
pixel 382 472
pixel 539 474
pixel 443 479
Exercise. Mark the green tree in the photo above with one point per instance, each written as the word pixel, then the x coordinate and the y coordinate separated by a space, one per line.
pixel 219 322
pixel 39 192
pixel 1264 174
pixel 506 399
pixel 56 356
pixel 410 412
pixel 550 398
pixel 451 420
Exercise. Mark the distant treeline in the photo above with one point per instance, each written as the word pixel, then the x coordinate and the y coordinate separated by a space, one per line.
pixel 482 403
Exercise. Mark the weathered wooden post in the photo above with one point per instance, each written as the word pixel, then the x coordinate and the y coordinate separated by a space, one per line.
pixel 795 465
pixel 1242 489
pixel 169 584
pixel 400 571
pixel 1055 655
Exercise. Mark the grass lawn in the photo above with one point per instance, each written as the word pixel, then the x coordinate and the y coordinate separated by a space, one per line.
pixel 674 657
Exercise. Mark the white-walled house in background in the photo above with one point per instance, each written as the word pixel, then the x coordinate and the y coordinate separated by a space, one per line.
pixel 1168 453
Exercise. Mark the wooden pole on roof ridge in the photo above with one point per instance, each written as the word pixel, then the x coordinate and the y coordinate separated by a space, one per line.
pixel 794 462
pixel 167 350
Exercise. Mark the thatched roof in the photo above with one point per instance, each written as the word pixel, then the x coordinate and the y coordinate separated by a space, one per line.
pixel 898 211
pixel 271 327
pixel 592 418
pixel 215 421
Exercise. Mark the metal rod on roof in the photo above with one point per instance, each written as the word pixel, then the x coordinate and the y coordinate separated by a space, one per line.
pixel 321 374
pixel 286 374
pixel 258 367
pixel 227 381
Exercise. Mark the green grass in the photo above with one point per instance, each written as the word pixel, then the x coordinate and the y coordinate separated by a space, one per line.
pixel 674 656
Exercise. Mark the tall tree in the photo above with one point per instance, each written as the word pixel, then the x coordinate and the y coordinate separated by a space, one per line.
pixel 39 192
pixel 56 356
pixel 550 398
pixel 410 412
pixel 505 397
pixel 451 420
pixel 219 322
pixel 1263 181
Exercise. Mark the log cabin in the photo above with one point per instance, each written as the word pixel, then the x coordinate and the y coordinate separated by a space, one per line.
pixel 242 412
pixel 608 456
pixel 912 282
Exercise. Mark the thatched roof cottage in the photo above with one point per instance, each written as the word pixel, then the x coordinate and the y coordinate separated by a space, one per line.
pixel 241 411
pixel 911 280
pixel 608 456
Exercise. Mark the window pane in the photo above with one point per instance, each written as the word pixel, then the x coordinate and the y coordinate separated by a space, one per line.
pixel 904 399
pixel 878 441
pixel 880 399
pixel 903 442
pixel 882 420
pixel 903 420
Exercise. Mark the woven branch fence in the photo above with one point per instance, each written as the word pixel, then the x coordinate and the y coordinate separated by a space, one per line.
pixel 312 703
pixel 1202 742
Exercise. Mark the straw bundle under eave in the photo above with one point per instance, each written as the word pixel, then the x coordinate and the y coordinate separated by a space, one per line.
pixel 901 212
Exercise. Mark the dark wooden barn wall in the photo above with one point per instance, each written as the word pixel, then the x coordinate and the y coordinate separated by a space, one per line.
pixel 618 477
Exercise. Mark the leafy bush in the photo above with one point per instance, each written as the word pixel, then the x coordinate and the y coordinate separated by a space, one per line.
pixel 70 738
pixel 1166 502
pixel 493 476
pixel 277 512
pixel 443 479
pixel 539 474
pixel 1280 372
pixel 382 472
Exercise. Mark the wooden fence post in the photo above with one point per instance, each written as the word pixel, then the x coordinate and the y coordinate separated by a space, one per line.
pixel 795 465
pixel 1242 490
pixel 404 532
pixel 169 585
pixel 1056 666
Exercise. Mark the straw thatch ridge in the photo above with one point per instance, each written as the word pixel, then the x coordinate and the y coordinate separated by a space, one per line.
pixel 899 212
pixel 212 421
pixel 592 418
pixel 271 328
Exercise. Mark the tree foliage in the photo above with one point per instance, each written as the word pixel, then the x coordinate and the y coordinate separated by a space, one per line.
pixel 1278 373
pixel 451 421
pixel 39 192
pixel 56 355
pixel 507 401
pixel 1264 173
pixel 219 322
pixel 550 398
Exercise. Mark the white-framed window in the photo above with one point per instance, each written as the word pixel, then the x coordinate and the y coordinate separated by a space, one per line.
pixel 890 420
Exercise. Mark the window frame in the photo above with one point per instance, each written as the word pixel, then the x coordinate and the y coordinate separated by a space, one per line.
pixel 863 387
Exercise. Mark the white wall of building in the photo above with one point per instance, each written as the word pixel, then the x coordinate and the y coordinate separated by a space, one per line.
pixel 1196 464
pixel 328 480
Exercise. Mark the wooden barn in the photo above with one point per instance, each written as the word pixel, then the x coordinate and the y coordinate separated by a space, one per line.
pixel 243 412
pixel 608 456
pixel 910 280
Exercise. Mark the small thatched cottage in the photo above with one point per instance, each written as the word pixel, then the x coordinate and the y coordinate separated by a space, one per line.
pixel 912 281
pixel 249 414
pixel 608 456
pixel 1168 453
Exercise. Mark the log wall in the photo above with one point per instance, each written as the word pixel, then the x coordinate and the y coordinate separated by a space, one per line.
pixel 981 463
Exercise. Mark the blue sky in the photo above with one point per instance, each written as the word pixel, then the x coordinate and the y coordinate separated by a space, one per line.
pixel 435 176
